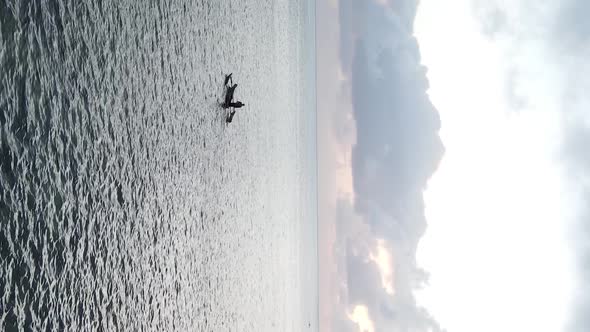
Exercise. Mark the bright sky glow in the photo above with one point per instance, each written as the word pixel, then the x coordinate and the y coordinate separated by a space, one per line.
pixel 495 244
pixel 383 260
pixel 360 315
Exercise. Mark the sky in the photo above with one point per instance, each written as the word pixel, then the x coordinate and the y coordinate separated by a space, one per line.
pixel 454 177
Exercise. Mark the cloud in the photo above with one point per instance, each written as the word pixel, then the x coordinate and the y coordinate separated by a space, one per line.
pixel 576 158
pixel 572 26
pixel 347 22
pixel 342 323
pixel 363 288
pixel 406 10
pixel 547 51
pixel 397 149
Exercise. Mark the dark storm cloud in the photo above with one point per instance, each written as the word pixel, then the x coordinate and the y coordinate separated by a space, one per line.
pixel 397 126
pixel 363 288
pixel 397 149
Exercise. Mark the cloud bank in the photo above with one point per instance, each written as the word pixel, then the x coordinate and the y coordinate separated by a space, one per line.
pixel 397 148
pixel 396 151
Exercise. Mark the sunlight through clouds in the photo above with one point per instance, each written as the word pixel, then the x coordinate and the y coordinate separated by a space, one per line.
pixel 383 260
pixel 360 316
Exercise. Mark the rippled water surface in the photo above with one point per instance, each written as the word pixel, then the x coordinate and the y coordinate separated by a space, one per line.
pixel 126 202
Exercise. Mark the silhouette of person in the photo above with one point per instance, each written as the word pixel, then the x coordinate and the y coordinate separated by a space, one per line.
pixel 237 104
pixel 229 95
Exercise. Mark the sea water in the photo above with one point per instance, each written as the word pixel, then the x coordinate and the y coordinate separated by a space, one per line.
pixel 126 201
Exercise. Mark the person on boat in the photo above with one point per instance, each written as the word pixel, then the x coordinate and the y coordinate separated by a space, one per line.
pixel 229 95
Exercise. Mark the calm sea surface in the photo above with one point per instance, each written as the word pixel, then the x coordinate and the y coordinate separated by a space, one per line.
pixel 126 202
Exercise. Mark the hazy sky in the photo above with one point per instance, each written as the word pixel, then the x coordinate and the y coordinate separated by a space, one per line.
pixel 455 179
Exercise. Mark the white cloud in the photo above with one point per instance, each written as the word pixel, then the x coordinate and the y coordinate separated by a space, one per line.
pixel 508 78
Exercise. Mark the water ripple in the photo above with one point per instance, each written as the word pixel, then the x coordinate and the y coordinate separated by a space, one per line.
pixel 126 202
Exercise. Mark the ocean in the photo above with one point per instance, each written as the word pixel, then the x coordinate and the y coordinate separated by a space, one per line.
pixel 127 203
